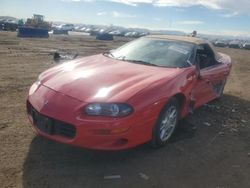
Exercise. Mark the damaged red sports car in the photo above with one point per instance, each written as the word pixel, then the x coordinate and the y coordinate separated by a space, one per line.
pixel 128 96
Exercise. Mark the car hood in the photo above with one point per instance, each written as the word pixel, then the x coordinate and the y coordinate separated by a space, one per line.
pixel 102 79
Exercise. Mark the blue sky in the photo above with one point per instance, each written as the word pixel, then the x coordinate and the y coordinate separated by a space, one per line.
pixel 225 17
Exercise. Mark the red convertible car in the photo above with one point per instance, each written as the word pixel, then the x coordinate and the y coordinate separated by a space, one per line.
pixel 128 96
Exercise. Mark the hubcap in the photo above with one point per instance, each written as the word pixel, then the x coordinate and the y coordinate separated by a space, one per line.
pixel 168 123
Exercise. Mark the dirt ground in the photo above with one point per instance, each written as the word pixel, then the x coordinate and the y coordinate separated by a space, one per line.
pixel 211 148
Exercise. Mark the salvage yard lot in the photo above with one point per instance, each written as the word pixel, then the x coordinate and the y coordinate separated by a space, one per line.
pixel 210 149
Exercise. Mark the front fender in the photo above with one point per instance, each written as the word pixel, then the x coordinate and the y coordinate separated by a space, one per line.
pixel 152 99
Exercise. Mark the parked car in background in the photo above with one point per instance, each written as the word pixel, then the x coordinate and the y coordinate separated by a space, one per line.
pixel 104 36
pixel 221 44
pixel 235 44
pixel 246 46
pixel 132 34
pixel 8 25
pixel 128 96
pixel 116 33
pixel 67 27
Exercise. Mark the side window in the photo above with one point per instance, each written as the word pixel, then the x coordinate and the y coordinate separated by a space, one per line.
pixel 205 56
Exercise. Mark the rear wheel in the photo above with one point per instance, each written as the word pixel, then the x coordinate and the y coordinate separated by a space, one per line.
pixel 166 123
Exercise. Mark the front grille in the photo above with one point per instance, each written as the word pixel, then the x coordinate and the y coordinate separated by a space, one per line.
pixel 49 125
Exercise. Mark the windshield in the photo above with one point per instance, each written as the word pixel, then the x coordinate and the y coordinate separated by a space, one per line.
pixel 156 52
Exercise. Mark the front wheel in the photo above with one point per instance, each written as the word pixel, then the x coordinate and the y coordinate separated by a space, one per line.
pixel 166 123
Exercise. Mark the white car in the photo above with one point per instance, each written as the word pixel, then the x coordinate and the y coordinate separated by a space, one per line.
pixel 68 27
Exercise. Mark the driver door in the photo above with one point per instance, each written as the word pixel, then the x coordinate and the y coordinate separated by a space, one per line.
pixel 211 78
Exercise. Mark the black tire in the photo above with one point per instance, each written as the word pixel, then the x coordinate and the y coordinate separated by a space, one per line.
pixel 157 140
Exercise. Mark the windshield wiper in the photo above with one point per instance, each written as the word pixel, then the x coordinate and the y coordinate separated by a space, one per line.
pixel 140 62
pixel 108 54
pixel 123 58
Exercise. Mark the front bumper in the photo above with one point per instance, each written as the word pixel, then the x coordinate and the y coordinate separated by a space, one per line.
pixel 100 133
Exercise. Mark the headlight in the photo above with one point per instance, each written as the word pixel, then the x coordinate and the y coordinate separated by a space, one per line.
pixel 108 109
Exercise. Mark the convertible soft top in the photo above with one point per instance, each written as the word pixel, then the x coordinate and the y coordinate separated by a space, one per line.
pixel 179 38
